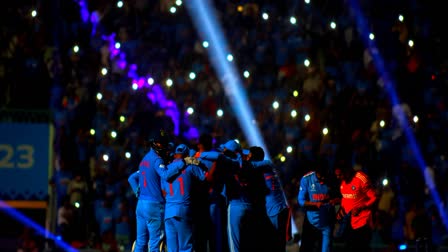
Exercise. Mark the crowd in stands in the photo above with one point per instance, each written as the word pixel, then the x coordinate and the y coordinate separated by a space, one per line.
pixel 102 123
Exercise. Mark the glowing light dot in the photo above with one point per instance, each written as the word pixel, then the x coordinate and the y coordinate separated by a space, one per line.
pixel 150 81
pixel 205 44
pixel 173 9
pixel 117 45
pixel 122 119
pixel 192 76
pixel 99 96
pixel 178 2
pixel 113 134
pixel 275 104
pixel 307 117
pixel 325 131
pixel 293 20
pixel 230 57
pixel 169 82
pixel 293 113
pixel 33 13
pixel 120 4
pixel 415 119
pixel 410 43
pixel 106 157
pixel 289 149
pixel 190 110
pixel 246 74
pixel 333 25
pixel 104 71
pixel 134 86
pixel 307 1
pixel 76 49
pixel 371 36
pixel 92 132
pixel 402 247
pixel 219 113
pixel 382 123
pixel 127 155
pixel 385 182
pixel 282 159
pixel 400 18
pixel 265 16
pixel 77 205
pixel 307 62
pixel 240 8
pixel 295 93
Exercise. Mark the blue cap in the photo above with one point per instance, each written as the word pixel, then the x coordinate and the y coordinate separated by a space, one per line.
pixel 182 149
pixel 192 152
pixel 245 152
pixel 232 145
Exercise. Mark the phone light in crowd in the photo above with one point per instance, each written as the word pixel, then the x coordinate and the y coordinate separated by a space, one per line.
pixel 99 96
pixel 117 45
pixel 382 123
pixel 265 16
pixel 293 113
pixel 33 13
pixel 205 44
pixel 295 93
pixel 190 110
pixel 289 149
pixel 325 131
pixel 106 157
pixel 76 49
pixel 402 247
pixel 400 18
pixel 92 132
pixel 122 119
pixel 240 8
pixel 113 134
pixel 127 155
pixel 104 71
pixel 282 158
pixel 246 74
pixel 120 4
pixel 173 10
pixel 385 182
pixel 192 76
pixel 230 57
pixel 371 36
pixel 307 117
pixel 332 25
pixel 411 43
pixel 293 20
pixel 275 105
pixel 219 112
pixel 415 119
pixel 169 82
pixel 178 2
pixel 134 86
pixel 307 1
pixel 150 81
pixel 307 62
pixel 77 205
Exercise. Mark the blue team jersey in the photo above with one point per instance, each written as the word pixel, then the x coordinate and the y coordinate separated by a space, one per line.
pixel 152 171
pixel 311 189
pixel 178 191
pixel 209 159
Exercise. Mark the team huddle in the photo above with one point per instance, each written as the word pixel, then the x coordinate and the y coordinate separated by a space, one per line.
pixel 231 199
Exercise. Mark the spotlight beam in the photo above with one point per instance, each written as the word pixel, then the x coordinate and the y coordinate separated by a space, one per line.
pixel 204 19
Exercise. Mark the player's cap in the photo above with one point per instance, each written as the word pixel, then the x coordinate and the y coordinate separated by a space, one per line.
pixel 245 152
pixel 182 149
pixel 232 145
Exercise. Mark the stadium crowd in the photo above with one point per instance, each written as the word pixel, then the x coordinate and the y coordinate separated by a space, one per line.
pixel 331 98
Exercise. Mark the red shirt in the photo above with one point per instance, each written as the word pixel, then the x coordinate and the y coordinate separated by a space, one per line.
pixel 355 194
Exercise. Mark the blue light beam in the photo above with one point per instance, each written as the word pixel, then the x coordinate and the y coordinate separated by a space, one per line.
pixel 204 18
pixel 30 223
pixel 390 90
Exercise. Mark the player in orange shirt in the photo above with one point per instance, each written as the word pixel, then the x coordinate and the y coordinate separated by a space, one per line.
pixel 358 199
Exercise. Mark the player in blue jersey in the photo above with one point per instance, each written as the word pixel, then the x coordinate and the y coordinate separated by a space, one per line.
pixel 151 203
pixel 318 197
pixel 276 206
pixel 179 207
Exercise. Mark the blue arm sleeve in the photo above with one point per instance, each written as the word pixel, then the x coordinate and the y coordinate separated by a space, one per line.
pixel 303 190
pixel 133 181
pixel 263 165
pixel 210 155
pixel 198 172
pixel 170 171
